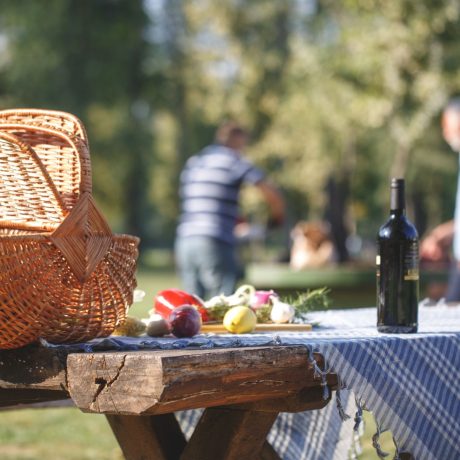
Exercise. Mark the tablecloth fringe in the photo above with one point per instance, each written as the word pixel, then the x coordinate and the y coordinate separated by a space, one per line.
pixel 356 448
pixel 338 400
pixel 358 415
pixel 319 373
pixel 358 419
pixel 397 451
pixel 376 443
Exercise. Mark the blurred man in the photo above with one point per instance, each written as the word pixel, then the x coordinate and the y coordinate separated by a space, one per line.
pixel 209 191
pixel 434 246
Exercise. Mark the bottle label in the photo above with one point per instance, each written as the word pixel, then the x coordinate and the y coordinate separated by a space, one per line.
pixel 411 262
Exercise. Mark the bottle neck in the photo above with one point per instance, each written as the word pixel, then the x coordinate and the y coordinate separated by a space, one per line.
pixel 397 212
pixel 397 200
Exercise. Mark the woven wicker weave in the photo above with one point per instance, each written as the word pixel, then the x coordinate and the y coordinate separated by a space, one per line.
pixel 63 275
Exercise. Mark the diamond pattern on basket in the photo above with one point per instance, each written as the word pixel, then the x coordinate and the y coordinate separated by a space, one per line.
pixel 84 237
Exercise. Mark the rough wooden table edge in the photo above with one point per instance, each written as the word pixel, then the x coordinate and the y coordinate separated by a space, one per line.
pixel 168 381
pixel 45 370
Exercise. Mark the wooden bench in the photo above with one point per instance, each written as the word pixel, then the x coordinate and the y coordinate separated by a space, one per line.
pixel 351 284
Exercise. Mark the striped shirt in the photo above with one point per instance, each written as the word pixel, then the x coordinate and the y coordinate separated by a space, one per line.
pixel 457 223
pixel 209 191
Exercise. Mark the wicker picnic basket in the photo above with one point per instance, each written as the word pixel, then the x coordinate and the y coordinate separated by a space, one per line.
pixel 64 276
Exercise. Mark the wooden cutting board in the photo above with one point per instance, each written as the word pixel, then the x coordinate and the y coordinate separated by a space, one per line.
pixel 260 327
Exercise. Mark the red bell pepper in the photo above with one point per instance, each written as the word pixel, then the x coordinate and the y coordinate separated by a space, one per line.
pixel 169 299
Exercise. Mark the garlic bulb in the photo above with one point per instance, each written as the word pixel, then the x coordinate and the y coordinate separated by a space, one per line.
pixel 281 312
pixel 157 326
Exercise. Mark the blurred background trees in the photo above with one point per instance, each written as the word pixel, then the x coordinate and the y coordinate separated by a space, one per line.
pixel 339 97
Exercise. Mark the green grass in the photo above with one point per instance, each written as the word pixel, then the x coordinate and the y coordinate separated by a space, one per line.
pixel 56 434
pixel 386 441
pixel 68 434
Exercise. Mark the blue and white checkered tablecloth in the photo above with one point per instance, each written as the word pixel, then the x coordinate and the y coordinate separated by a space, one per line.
pixel 411 383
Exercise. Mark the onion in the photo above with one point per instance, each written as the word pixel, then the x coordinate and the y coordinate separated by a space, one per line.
pixel 262 298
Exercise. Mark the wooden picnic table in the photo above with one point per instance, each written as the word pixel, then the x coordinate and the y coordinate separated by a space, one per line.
pixel 242 390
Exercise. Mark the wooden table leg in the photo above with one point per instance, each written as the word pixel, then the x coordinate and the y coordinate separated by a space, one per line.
pixel 229 434
pixel 232 432
pixel 239 431
pixel 268 453
pixel 156 437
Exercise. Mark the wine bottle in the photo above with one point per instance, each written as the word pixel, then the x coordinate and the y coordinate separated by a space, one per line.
pixel 397 268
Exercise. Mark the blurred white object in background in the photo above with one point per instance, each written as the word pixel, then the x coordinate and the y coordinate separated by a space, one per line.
pixel 138 295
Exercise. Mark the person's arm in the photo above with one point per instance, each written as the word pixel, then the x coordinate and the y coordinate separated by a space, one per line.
pixel 274 200
pixel 433 246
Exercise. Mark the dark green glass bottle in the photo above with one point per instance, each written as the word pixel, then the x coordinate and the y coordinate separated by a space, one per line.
pixel 397 268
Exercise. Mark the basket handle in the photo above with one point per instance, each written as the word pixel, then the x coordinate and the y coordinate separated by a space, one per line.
pixel 63 121
pixel 84 237
pixel 28 198
pixel 70 169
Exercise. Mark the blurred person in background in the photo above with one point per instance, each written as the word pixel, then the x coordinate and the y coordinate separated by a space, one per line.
pixel 312 246
pixel 210 184
pixel 436 246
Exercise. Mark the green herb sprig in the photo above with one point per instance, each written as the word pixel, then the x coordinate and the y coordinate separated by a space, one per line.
pixel 305 302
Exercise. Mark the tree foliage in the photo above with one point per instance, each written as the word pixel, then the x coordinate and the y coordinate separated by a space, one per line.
pixel 86 57
pixel 343 93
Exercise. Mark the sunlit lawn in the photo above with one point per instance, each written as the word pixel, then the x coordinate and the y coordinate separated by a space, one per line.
pixel 56 434
pixel 67 434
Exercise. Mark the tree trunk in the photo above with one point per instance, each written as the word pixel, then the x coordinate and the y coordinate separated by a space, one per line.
pixel 338 191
